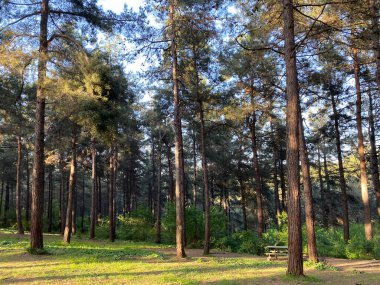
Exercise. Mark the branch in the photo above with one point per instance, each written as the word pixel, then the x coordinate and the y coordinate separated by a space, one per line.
pixel 20 19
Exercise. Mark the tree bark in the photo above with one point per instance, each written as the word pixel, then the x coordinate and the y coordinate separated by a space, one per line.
pixel 363 170
pixel 374 159
pixel 342 180
pixel 20 228
pixel 93 210
pixel 195 170
pixel 6 205
pixel 179 189
pixel 50 199
pixel 1 195
pixel 158 198
pixel 295 260
pixel 206 245
pixel 256 174
pixel 70 199
pixel 62 195
pixel 374 6
pixel 82 210
pixel 36 238
pixel 308 195
pixel 111 195
pixel 275 175
pixel 27 194
pixel 324 205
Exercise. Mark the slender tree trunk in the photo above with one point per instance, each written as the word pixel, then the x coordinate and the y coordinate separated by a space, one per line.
pixel 93 211
pixel 363 170
pixel 82 210
pixel 374 159
pixel 243 204
pixel 324 205
pixel 20 228
pixel 275 175
pixel 295 260
pixel 282 183
pixel 376 37
pixel 50 199
pixel 36 229
pixel 256 174
pixel 111 197
pixel 6 205
pixel 27 194
pixel 195 170
pixel 158 198
pixel 170 170
pixel 308 195
pixel 342 180
pixel 70 199
pixel 206 245
pixel 100 205
pixel 62 196
pixel 179 189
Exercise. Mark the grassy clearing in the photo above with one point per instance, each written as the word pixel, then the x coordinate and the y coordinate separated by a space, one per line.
pixel 99 262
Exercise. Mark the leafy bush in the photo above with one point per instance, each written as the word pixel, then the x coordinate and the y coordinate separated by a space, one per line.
pixel 137 227
pixel 242 242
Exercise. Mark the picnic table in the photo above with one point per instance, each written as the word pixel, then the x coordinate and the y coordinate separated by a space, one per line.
pixel 276 251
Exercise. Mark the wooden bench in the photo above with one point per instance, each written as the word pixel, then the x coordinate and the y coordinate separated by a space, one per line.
pixel 276 251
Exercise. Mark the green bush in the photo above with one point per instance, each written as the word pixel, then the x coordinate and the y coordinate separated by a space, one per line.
pixel 137 227
pixel 242 242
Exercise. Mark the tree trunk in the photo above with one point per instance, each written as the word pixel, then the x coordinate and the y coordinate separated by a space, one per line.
pixel 275 175
pixel 27 194
pixel 111 195
pixel 363 170
pixel 82 209
pixel 282 182
pixel 70 199
pixel 158 198
pixel 20 228
pixel 206 245
pixel 36 227
pixel 194 169
pixel 342 180
pixel 308 195
pixel 256 174
pixel 295 260
pixel 99 188
pixel 376 37
pixel 170 170
pixel 50 199
pixel 62 217
pixel 374 159
pixel 324 205
pixel 179 189
pixel 93 210
pixel 6 206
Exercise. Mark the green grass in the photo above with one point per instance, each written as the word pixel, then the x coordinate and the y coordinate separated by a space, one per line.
pixel 123 262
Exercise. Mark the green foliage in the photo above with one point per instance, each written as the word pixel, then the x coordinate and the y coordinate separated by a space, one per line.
pixel 320 266
pixel 242 242
pixel 137 227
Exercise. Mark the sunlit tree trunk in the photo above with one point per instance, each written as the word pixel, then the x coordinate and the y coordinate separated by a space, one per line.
pixel 36 226
pixel 363 170
pixel 374 158
pixel 295 260
pixel 179 189
pixel 70 199
pixel 50 199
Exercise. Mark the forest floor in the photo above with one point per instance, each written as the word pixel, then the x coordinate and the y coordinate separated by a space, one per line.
pixel 124 262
